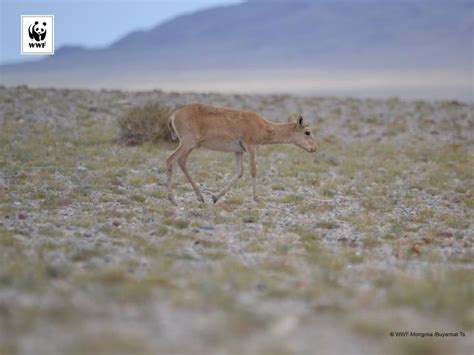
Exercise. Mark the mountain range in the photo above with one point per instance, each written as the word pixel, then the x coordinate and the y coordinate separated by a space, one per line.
pixel 265 35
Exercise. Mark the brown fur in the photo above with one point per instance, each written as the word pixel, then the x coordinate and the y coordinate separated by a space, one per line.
pixel 228 130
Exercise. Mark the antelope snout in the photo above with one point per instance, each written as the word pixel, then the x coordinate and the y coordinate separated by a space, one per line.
pixel 313 148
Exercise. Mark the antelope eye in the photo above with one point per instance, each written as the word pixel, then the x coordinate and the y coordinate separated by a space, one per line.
pixel 308 133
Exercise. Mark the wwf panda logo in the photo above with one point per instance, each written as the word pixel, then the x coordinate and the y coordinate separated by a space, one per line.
pixel 37 31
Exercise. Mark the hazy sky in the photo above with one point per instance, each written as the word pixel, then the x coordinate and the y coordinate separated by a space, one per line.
pixel 89 22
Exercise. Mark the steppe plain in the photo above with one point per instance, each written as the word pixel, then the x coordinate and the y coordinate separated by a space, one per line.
pixel 371 235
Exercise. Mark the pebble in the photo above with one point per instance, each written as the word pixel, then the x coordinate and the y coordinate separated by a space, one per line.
pixel 207 227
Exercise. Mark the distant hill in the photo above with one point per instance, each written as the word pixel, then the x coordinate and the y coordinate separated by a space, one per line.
pixel 278 35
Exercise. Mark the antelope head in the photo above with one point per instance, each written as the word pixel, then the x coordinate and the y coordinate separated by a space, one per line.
pixel 301 135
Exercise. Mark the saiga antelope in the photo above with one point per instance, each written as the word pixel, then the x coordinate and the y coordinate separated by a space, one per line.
pixel 228 130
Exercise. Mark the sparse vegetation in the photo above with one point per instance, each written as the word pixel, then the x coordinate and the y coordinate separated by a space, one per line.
pixel 147 123
pixel 370 235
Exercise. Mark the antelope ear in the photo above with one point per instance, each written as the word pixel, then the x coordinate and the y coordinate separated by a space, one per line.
pixel 300 121
pixel 292 118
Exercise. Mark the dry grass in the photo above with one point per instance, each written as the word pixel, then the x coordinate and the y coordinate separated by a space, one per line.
pixel 341 244
pixel 147 123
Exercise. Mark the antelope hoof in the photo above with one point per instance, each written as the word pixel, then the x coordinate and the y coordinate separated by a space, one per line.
pixel 214 198
pixel 173 202
pixel 256 199
pixel 200 198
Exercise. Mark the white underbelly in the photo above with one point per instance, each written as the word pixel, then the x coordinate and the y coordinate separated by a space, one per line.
pixel 224 146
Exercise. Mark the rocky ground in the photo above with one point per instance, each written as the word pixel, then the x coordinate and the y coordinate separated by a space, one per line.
pixel 371 235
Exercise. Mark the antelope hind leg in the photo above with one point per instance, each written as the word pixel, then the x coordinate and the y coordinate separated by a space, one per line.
pixel 182 163
pixel 170 162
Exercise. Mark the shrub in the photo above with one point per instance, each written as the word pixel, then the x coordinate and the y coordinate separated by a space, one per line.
pixel 147 123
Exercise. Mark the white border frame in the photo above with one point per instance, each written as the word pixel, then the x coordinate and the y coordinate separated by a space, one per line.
pixel 21 36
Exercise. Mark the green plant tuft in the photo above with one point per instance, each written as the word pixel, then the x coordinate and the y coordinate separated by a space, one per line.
pixel 147 123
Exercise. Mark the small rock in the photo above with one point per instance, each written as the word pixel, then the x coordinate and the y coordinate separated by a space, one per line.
pixel 285 326
pixel 415 250
pixel 115 182
pixel 444 234
pixel 207 227
pixel 21 215
pixel 131 142
pixel 116 223
pixel 249 219
pixel 66 201
pixel 53 272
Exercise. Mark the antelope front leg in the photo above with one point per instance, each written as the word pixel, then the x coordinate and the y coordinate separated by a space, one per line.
pixel 253 171
pixel 238 174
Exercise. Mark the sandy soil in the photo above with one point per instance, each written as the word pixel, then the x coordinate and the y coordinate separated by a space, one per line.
pixel 371 235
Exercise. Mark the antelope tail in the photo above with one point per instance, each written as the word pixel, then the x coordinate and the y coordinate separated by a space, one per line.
pixel 174 136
